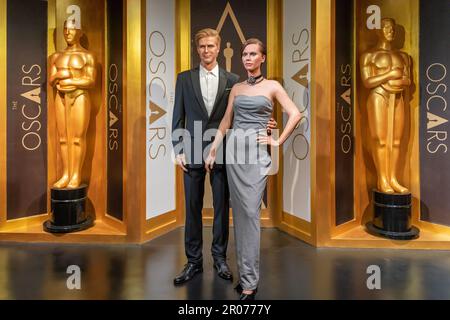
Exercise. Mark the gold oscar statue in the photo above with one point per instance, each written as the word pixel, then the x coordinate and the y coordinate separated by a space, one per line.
pixel 386 72
pixel 228 54
pixel 72 73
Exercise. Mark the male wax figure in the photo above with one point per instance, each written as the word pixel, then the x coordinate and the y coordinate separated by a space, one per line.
pixel 201 98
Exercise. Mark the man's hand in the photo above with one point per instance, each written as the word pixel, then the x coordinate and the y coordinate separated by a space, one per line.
pixel 181 161
pixel 209 162
pixel 271 125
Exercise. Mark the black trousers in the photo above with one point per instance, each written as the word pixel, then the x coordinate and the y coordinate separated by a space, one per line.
pixel 194 187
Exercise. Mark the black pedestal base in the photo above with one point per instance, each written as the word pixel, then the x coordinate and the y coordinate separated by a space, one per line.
pixel 413 233
pixel 68 211
pixel 392 216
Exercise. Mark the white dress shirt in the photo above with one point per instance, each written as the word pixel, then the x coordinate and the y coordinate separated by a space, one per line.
pixel 209 84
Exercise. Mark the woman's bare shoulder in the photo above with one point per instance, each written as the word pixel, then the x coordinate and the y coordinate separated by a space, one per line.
pixel 273 86
pixel 273 83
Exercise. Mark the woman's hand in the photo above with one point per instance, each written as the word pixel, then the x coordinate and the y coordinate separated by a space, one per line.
pixel 209 162
pixel 271 125
pixel 268 140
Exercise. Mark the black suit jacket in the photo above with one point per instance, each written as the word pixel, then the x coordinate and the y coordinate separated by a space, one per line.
pixel 190 109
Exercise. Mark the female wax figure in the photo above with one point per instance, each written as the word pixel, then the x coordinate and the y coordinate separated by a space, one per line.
pixel 250 106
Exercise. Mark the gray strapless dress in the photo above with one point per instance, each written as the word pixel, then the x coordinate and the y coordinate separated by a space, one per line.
pixel 247 164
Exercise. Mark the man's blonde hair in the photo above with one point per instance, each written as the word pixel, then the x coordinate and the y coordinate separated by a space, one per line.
pixel 207 32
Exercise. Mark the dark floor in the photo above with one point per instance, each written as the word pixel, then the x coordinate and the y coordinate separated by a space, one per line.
pixel 290 269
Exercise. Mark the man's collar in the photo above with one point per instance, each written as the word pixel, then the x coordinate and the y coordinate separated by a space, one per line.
pixel 214 71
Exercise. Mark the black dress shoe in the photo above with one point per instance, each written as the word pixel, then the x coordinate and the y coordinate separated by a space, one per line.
pixel 248 296
pixel 223 270
pixel 190 269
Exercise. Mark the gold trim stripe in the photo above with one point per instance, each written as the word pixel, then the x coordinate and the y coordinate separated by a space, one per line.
pixel 183 18
pixel 313 123
pixel 135 122
pixel 51 122
pixel 321 118
pixel 183 62
pixel 415 113
pixel 3 62
pixel 274 44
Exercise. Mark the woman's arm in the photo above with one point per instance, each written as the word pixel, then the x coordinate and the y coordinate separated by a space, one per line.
pixel 294 117
pixel 225 124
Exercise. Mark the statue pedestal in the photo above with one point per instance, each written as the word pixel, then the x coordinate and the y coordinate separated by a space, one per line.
pixel 68 211
pixel 392 216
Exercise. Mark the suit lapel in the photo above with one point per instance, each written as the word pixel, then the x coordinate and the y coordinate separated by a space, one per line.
pixel 195 78
pixel 220 90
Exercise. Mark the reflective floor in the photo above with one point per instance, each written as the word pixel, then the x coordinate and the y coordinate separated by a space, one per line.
pixel 290 269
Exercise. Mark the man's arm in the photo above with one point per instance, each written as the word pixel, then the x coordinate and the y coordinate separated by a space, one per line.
pixel 178 125
pixel 179 113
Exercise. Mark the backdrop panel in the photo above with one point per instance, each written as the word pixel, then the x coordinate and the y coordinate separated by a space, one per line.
pixel 160 91
pixel 297 76
pixel 114 205
pixel 344 141
pixel 434 67
pixel 26 108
